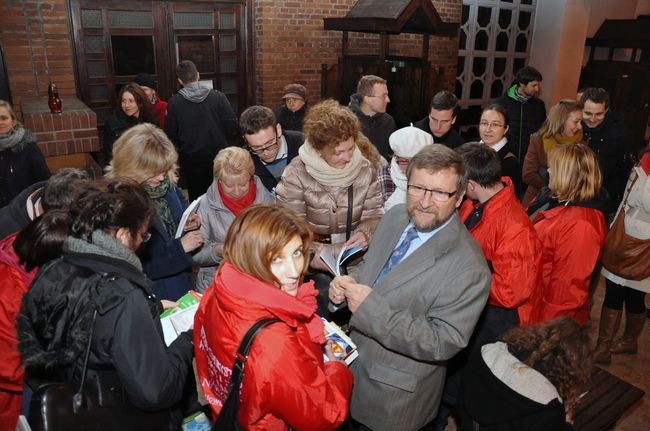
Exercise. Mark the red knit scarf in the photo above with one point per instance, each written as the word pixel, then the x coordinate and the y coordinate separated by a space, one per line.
pixel 238 205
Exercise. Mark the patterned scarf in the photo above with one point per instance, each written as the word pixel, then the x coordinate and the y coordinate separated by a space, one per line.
pixel 157 195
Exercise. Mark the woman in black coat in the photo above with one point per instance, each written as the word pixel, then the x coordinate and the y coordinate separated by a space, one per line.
pixel 21 161
pixel 99 270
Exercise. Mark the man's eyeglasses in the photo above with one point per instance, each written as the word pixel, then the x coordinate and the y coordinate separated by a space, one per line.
pixel 146 237
pixel 487 125
pixel 437 195
pixel 268 148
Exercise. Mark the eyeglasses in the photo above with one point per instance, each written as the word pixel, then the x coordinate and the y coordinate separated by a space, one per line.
pixel 437 195
pixel 383 96
pixel 487 125
pixel 268 148
pixel 146 237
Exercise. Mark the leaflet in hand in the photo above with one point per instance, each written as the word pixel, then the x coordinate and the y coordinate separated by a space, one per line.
pixel 334 262
pixel 342 346
pixel 180 319
pixel 186 215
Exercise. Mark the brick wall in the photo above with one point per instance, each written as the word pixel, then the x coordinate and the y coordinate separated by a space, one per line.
pixel 35 37
pixel 291 44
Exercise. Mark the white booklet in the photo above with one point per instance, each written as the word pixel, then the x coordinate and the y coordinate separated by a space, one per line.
pixel 342 346
pixel 335 262
pixel 186 215
pixel 180 319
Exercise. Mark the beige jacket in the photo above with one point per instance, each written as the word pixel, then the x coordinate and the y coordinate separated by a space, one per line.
pixel 325 207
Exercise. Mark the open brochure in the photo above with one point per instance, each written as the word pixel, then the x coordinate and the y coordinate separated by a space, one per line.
pixel 335 262
pixel 180 319
pixel 342 346
pixel 186 215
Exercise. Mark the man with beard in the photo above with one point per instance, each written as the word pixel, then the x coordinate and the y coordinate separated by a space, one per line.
pixel 415 299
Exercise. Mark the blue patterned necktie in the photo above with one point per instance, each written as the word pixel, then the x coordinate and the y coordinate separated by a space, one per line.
pixel 398 254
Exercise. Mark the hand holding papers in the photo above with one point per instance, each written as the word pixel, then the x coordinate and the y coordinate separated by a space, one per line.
pixel 335 262
pixel 186 218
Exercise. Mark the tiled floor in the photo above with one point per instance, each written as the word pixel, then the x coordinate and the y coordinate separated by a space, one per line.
pixel 634 369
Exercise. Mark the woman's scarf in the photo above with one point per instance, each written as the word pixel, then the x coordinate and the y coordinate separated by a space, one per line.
pixel 157 195
pixel 238 205
pixel 400 181
pixel 325 174
pixel 10 140
pixel 552 141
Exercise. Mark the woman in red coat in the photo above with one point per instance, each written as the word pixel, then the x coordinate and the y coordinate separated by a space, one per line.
pixel 286 383
pixel 572 230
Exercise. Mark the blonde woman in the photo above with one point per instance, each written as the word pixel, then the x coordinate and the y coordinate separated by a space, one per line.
pixel 562 126
pixel 144 154
pixel 572 231
pixel 235 188
pixel 21 162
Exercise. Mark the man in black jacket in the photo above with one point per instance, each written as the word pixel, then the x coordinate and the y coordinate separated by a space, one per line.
pixel 607 135
pixel 439 123
pixel 370 103
pixel 199 120
pixel 271 147
pixel 526 111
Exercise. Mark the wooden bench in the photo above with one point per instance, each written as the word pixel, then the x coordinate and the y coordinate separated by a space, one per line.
pixel 606 401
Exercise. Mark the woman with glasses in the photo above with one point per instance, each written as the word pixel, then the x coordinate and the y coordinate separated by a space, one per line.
pixel 572 231
pixel 145 155
pixel 562 126
pixel 493 128
pixel 332 186
pixel 405 143
pixel 98 288
pixel 235 188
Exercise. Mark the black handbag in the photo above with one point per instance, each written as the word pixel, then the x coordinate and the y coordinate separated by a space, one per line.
pixel 227 419
pixel 98 403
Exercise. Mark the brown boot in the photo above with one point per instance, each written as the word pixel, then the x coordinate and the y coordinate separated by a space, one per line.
pixel 609 320
pixel 633 327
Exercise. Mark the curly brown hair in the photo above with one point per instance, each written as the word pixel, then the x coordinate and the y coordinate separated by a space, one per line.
pixel 330 123
pixel 560 349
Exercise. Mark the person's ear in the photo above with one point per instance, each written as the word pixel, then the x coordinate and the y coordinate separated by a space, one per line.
pixel 180 82
pixel 123 235
pixel 278 129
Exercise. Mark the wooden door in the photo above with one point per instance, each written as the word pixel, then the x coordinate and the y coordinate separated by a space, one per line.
pixel 117 39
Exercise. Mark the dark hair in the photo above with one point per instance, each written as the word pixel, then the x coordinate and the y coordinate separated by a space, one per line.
pixel 482 163
pixel 596 95
pixel 42 239
pixel 62 187
pixel 186 71
pixel 444 100
pixel 559 349
pixel 527 74
pixel 500 109
pixel 256 118
pixel 144 105
pixel 109 204
pixel 435 158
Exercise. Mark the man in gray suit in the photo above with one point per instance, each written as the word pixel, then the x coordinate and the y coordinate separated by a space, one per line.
pixel 429 282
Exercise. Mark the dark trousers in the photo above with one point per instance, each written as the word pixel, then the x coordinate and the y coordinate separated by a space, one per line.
pixel 196 171
pixel 617 295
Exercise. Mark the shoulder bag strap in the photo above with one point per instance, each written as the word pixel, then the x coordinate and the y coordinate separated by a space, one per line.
pixel 348 223
pixel 77 398
pixel 244 348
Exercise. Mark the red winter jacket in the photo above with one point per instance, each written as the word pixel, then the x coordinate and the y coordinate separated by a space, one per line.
pixel 285 380
pixel 510 245
pixel 572 241
pixel 14 281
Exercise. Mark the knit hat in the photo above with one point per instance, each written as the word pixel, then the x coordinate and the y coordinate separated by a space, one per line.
pixel 408 141
pixel 146 80
pixel 295 90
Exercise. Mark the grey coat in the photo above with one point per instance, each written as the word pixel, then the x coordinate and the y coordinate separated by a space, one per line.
pixel 215 221
pixel 420 315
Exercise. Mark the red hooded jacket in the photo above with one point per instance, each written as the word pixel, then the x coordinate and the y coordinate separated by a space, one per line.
pixel 572 241
pixel 285 380
pixel 510 245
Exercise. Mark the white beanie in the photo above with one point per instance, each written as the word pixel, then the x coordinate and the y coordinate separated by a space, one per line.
pixel 408 141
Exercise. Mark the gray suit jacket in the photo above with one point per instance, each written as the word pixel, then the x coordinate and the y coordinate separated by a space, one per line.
pixel 420 315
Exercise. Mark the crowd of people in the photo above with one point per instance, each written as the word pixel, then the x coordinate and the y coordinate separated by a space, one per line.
pixel 470 300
